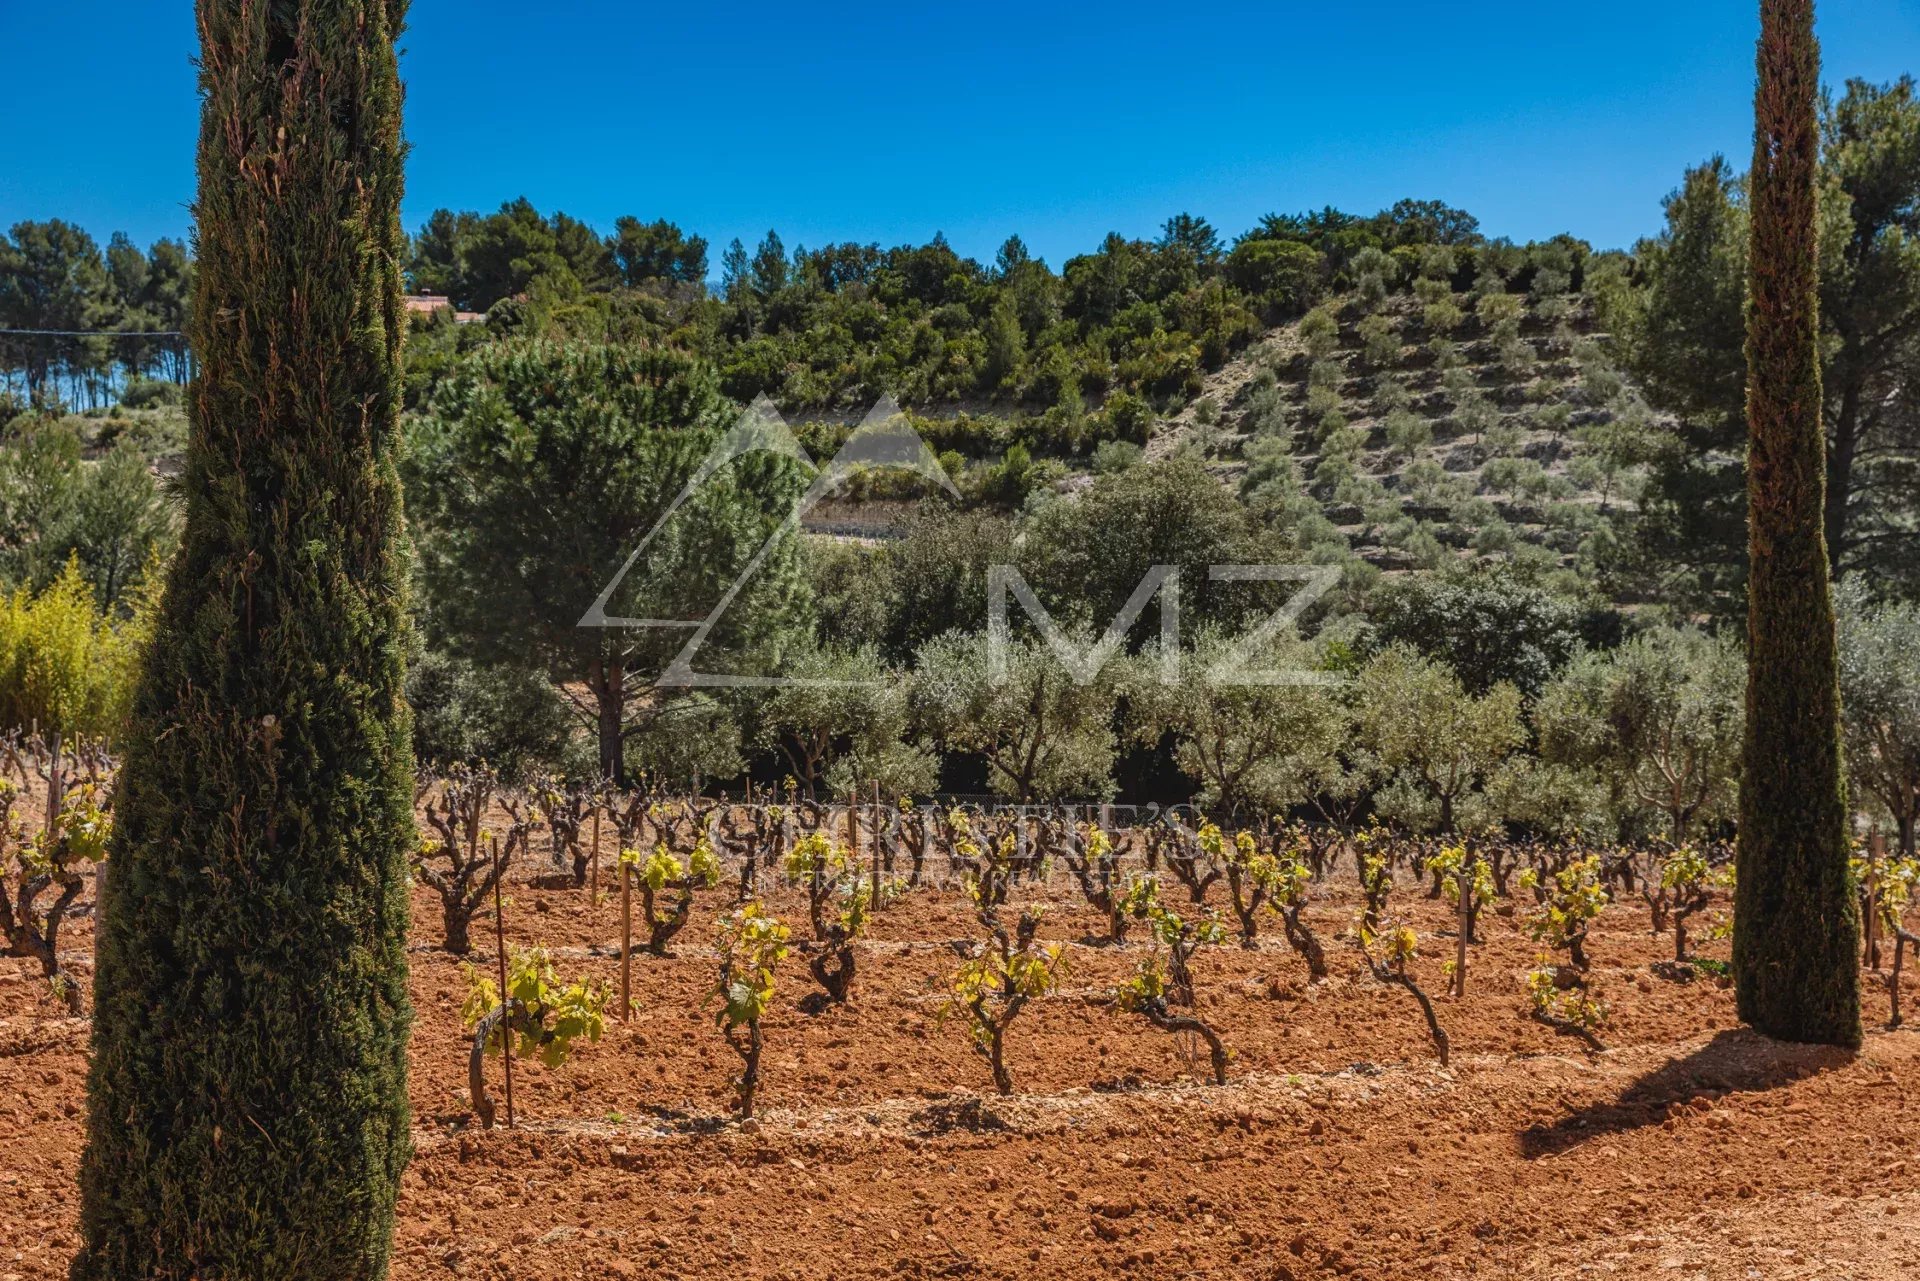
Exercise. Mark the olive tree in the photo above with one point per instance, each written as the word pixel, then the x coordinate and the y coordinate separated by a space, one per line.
pixel 1439 745
pixel 1042 733
pixel 841 724
pixel 1660 718
pixel 1565 802
pixel 1250 744
pixel 1880 697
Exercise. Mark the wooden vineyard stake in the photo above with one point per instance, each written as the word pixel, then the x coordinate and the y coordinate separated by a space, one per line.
pixel 780 843
pixel 506 997
pixel 1876 856
pixel 1463 920
pixel 56 785
pixel 876 849
pixel 853 838
pixel 593 860
pixel 626 939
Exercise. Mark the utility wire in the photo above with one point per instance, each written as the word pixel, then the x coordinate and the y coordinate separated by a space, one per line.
pixel 98 333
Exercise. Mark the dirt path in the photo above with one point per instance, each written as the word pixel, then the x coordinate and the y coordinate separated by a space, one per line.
pixel 1223 387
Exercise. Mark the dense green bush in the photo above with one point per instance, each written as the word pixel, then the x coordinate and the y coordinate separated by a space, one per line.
pixel 464 712
pixel 1488 626
pixel 65 666
pixel 151 393
pixel 58 506
pixel 1283 277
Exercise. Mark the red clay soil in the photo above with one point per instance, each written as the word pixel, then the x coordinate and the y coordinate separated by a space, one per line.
pixel 1340 1147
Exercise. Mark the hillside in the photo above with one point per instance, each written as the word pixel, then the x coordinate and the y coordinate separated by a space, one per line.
pixel 1406 433
pixel 1400 433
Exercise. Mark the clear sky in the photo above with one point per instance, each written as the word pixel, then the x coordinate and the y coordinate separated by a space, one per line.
pixel 889 122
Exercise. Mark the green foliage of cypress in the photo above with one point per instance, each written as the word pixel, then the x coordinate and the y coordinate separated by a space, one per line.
pixel 1796 925
pixel 247 1103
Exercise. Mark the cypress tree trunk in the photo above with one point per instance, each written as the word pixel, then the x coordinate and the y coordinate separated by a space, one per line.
pixel 1796 926
pixel 247 1100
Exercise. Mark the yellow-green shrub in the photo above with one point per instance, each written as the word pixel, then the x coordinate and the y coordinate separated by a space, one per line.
pixel 64 664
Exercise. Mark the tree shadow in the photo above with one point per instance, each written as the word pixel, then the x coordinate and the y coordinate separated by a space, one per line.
pixel 669 1120
pixel 969 1114
pixel 1737 1059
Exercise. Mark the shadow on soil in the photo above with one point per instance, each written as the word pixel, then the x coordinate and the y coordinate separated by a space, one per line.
pixel 1732 1060
pixel 969 1114
pixel 674 1121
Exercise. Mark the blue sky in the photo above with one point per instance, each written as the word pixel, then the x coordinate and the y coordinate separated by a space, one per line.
pixel 890 122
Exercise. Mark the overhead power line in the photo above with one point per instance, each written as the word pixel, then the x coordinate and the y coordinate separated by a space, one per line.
pixel 97 333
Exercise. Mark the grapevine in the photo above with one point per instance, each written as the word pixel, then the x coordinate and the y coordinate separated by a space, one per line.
pixel 1686 886
pixel 1146 994
pixel 1251 876
pixel 1895 883
pixel 462 861
pixel 989 880
pixel 1182 851
pixel 1293 879
pixel 1376 883
pixel 995 983
pixel 1389 948
pixel 662 872
pixel 1164 978
pixel 1571 1012
pixel 544 1019
pixel 1469 884
pixel 1096 866
pixel 1180 936
pixel 1569 900
pixel 32 865
pixel 839 904
pixel 751 945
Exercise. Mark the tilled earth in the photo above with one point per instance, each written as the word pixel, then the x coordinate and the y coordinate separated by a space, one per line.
pixel 1340 1147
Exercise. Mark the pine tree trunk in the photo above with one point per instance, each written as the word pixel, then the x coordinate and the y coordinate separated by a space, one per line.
pixel 247 1103
pixel 1796 925
pixel 607 681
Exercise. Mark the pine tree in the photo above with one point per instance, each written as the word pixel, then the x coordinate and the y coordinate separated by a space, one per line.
pixel 1795 922
pixel 247 1103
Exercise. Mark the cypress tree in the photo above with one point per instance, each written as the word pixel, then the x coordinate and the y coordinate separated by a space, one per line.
pixel 247 1099
pixel 1795 920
